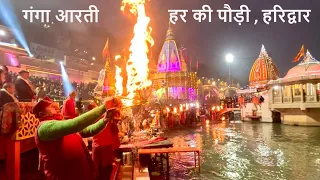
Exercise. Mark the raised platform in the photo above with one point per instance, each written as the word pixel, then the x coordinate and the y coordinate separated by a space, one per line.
pixel 125 173
pixel 141 175
pixel 254 118
pixel 297 117
pixel 173 150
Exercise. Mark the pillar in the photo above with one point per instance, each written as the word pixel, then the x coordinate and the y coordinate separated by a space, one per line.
pixel 281 96
pixel 271 96
pixel 291 94
pixel 13 160
pixel 314 86
pixel 301 94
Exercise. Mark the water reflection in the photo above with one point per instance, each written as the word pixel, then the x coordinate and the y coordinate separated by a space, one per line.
pixel 248 151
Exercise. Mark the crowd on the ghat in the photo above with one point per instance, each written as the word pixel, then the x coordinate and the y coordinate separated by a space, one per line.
pixel 185 114
pixel 25 88
pixel 63 153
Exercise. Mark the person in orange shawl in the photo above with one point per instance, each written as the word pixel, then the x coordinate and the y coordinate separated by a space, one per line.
pixel 104 146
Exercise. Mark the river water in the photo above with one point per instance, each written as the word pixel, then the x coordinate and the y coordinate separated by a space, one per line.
pixel 248 151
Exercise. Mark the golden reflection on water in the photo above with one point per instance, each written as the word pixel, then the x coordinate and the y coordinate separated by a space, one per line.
pixel 218 133
pixel 248 151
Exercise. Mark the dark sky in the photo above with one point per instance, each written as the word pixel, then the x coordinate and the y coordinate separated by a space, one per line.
pixel 210 42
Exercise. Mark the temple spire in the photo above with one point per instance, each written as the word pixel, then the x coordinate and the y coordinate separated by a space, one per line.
pixel 263 70
pixel 170 35
pixel 169 59
pixel 308 58
pixel 263 52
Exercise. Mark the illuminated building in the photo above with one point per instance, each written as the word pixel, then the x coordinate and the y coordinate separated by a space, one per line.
pixel 172 81
pixel 263 70
pixel 297 95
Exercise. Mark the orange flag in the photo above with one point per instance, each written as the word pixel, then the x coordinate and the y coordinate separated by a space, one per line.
pixel 299 55
pixel 105 51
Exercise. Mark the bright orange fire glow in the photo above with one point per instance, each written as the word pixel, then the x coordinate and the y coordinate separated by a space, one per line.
pixel 117 57
pixel 119 79
pixel 137 65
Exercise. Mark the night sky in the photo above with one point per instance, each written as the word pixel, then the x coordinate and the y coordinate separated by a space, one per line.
pixel 210 42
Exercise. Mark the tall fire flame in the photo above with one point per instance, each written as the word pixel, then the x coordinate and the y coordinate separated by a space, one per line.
pixel 119 79
pixel 137 65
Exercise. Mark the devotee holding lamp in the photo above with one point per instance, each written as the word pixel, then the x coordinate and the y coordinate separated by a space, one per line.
pixel 69 109
pixel 63 154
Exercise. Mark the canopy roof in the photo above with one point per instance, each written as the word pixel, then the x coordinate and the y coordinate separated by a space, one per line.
pixel 307 69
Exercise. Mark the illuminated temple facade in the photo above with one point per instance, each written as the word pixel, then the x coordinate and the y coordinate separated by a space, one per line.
pixel 297 95
pixel 172 82
pixel 263 70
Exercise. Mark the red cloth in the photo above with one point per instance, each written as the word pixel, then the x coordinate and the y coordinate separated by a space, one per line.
pixel 65 158
pixel 107 137
pixel 104 138
pixel 69 109
pixel 114 170
pixel 183 118
pixel 115 136
pixel 91 106
pixel 102 156
pixel 103 145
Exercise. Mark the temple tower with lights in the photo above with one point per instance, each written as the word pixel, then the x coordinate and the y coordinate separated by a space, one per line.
pixel 173 82
pixel 263 70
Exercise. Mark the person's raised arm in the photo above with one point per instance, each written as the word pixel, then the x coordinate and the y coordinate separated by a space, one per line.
pixel 98 126
pixel 52 130
pixel 93 129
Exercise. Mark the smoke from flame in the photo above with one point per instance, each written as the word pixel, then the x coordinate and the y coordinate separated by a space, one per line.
pixel 137 65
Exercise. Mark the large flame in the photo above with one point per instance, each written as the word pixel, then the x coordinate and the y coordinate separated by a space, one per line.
pixel 119 79
pixel 137 65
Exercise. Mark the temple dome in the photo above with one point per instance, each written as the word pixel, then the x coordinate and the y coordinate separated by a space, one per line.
pixel 263 70
pixel 309 66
